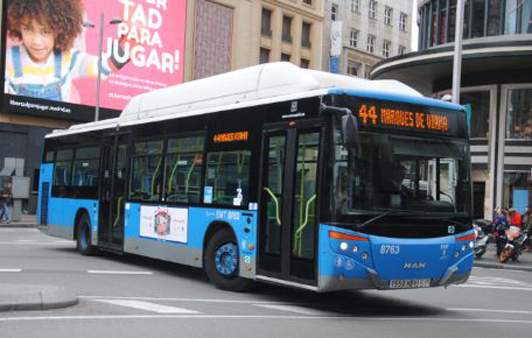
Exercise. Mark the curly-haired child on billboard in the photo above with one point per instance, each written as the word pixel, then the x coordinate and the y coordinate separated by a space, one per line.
pixel 43 62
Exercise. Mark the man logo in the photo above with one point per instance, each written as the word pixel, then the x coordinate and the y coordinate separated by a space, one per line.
pixel 415 266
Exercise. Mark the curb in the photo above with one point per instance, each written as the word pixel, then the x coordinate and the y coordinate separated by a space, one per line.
pixel 17 225
pixel 502 266
pixel 16 297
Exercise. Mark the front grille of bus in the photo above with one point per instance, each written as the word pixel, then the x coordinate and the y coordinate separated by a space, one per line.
pixel 45 194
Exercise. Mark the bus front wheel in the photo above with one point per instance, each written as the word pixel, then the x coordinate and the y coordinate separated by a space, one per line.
pixel 84 238
pixel 222 260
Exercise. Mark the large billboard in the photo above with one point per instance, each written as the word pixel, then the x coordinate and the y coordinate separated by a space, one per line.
pixel 52 47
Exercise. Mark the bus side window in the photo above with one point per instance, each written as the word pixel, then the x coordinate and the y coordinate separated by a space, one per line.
pixel 146 171
pixel 86 166
pixel 184 162
pixel 228 176
pixel 63 168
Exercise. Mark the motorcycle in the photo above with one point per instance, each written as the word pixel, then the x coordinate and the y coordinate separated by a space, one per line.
pixel 514 244
pixel 482 237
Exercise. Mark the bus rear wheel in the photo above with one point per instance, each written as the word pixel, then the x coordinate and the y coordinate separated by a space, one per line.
pixel 222 261
pixel 84 238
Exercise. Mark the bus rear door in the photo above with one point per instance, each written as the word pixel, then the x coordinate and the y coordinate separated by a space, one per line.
pixel 113 190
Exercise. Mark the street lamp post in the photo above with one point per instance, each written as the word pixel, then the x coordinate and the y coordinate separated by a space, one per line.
pixel 100 49
pixel 457 63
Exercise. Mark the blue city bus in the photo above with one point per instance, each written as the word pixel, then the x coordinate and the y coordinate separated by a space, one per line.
pixel 272 173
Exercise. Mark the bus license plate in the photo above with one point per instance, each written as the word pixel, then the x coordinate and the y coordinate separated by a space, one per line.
pixel 409 283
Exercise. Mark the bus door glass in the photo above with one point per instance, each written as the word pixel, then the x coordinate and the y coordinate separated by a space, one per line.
pixel 288 226
pixel 113 189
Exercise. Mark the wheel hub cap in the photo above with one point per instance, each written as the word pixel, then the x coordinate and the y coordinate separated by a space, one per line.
pixel 226 259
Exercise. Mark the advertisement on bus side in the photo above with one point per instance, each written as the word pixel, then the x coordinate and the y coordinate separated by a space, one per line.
pixel 164 223
pixel 52 47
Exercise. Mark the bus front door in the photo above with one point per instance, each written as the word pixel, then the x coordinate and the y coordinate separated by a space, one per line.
pixel 288 222
pixel 113 192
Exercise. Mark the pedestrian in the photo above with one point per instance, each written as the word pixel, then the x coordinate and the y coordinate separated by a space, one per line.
pixel 500 223
pixel 515 218
pixel 527 226
pixel 5 204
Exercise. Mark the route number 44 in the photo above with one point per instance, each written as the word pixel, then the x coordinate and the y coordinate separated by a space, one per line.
pixel 366 113
pixel 390 249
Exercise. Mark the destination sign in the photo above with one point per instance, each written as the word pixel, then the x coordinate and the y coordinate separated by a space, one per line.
pixel 399 116
pixel 231 137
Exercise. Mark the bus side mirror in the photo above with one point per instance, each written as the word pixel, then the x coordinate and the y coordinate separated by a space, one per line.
pixel 350 137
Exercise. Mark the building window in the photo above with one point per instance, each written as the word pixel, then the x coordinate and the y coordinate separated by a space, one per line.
pixel 308 2
pixel 402 50
pixel 285 57
pixel 287 29
pixel 352 68
pixel 264 55
pixel 479 13
pixel 494 17
pixel 403 17
pixel 388 15
pixel 372 9
pixel 386 45
pixel 355 6
pixel 519 107
pixel 266 24
pixel 353 37
pixel 305 63
pixel 480 112
pixel 334 11
pixel 305 35
pixel 371 44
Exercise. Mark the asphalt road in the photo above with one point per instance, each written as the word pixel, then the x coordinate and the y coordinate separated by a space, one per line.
pixel 138 297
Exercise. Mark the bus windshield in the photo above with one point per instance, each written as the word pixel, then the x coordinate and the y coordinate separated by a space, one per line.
pixel 394 172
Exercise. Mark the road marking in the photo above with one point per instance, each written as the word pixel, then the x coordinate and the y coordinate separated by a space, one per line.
pixel 116 272
pixel 376 319
pixel 36 243
pixel 147 306
pixel 26 240
pixel 493 287
pixel 195 300
pixel 292 308
pixel 10 270
pixel 490 310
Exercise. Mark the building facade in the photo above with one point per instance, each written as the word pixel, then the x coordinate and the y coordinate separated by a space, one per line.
pixel 363 32
pixel 220 36
pixel 496 84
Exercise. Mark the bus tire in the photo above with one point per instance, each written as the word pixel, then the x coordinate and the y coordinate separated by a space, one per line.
pixel 222 260
pixel 84 238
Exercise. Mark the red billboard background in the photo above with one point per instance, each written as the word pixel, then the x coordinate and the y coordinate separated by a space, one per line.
pixel 152 34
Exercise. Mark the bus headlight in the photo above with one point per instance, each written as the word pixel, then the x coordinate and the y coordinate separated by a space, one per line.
pixel 343 246
pixel 364 256
pixel 355 248
pixel 464 248
pixel 471 245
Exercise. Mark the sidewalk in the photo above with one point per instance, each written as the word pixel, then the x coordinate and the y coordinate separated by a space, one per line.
pixel 26 221
pixel 490 260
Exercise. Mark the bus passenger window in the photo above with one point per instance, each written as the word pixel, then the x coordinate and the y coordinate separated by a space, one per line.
pixel 146 171
pixel 184 161
pixel 86 166
pixel 63 168
pixel 228 177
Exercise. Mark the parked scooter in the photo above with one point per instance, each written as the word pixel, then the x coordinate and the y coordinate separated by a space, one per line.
pixel 481 228
pixel 514 243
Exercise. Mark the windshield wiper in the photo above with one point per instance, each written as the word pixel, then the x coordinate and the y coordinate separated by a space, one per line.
pixel 376 218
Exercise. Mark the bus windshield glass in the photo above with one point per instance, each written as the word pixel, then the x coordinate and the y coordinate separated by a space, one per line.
pixel 395 172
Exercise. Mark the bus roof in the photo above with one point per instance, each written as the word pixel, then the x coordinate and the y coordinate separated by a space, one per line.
pixel 262 84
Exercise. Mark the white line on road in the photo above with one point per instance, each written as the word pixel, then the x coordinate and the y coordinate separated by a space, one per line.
pixel 111 272
pixel 377 319
pixel 195 300
pixel 292 308
pixel 37 243
pixel 147 306
pixel 10 270
pixel 26 240
pixel 490 310
pixel 493 287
